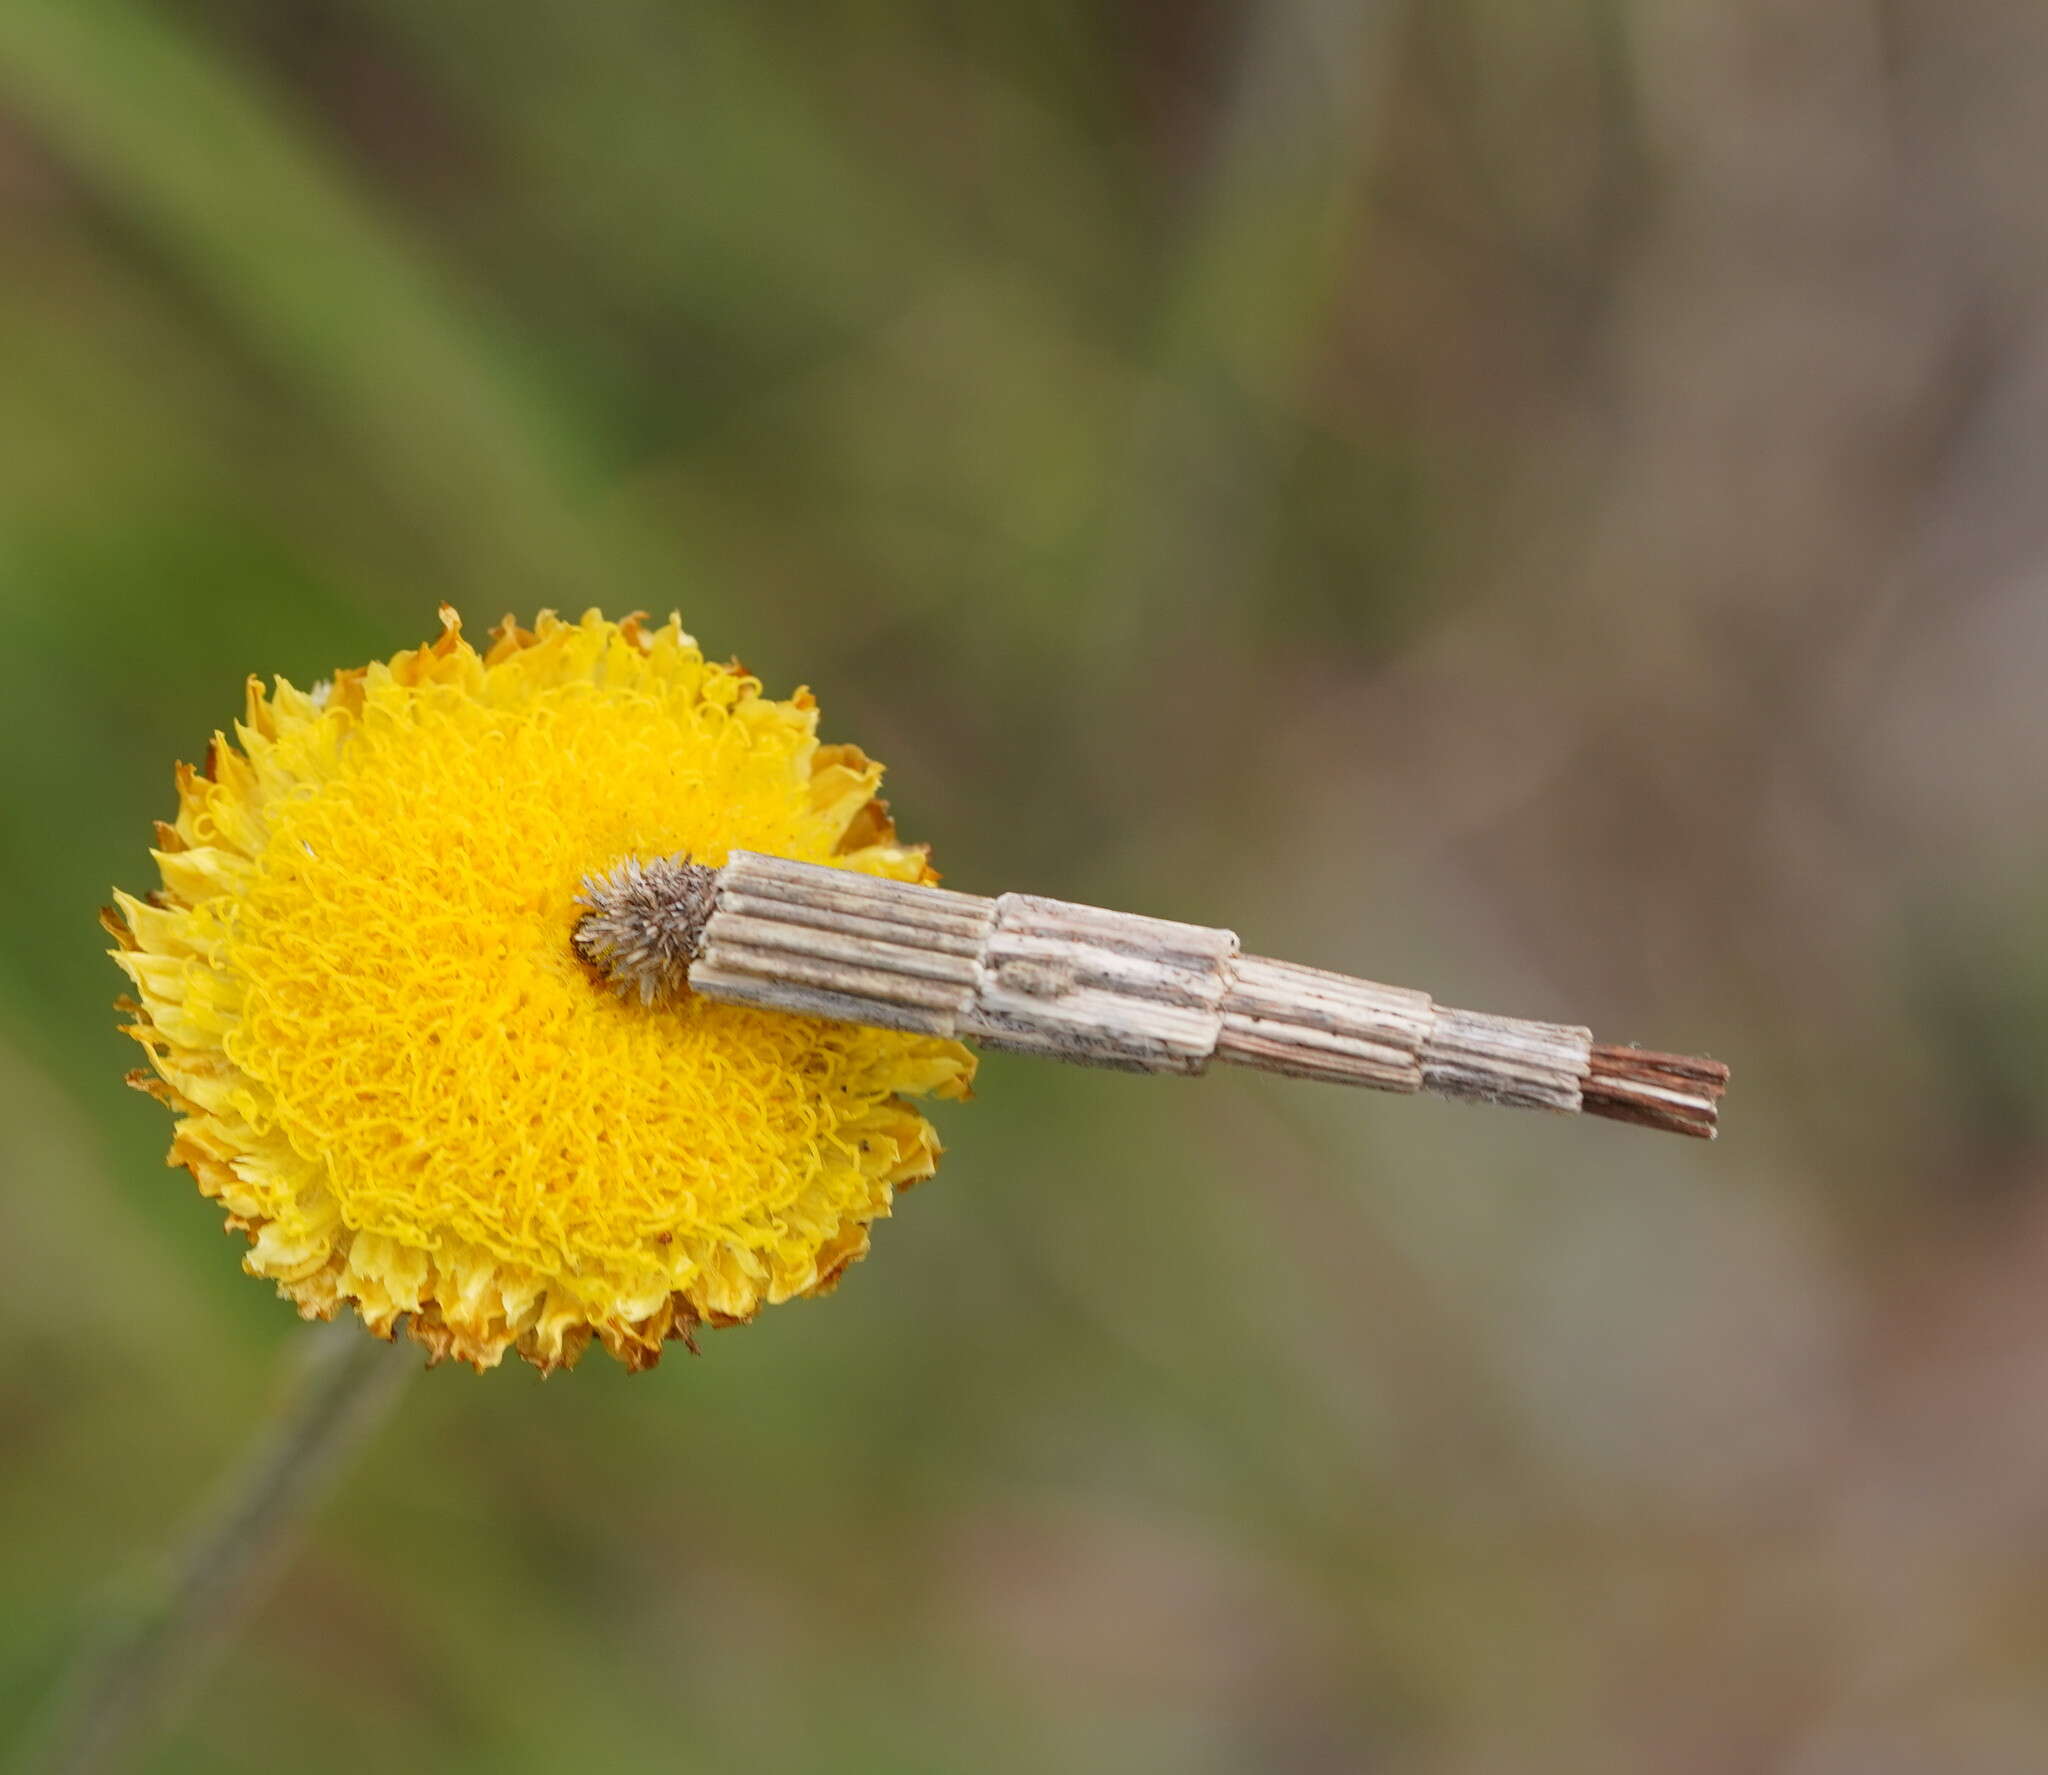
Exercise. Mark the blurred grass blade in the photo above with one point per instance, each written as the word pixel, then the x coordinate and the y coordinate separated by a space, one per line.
pixel 234 188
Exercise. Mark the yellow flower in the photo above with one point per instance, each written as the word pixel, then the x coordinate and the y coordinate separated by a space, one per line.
pixel 358 992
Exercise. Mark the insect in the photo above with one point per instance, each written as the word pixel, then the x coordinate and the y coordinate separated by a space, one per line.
pixel 1083 984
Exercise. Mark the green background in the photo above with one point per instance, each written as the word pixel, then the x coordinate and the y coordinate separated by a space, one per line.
pixel 1540 501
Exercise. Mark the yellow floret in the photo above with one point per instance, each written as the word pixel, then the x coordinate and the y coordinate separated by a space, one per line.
pixel 358 990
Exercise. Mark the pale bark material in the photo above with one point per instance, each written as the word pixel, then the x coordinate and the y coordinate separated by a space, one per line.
pixel 1101 988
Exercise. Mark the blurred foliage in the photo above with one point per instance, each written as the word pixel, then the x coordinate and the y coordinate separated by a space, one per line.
pixel 1541 501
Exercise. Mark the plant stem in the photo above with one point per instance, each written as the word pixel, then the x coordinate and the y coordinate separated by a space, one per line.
pixel 129 1680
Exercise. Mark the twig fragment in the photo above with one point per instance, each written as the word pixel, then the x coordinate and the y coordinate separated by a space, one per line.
pixel 1677 1093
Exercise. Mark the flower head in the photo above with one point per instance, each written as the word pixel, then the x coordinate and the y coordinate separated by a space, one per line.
pixel 358 990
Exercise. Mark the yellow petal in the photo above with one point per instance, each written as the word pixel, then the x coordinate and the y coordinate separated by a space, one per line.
pixel 357 987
